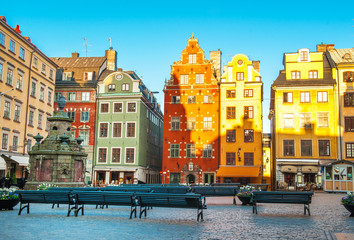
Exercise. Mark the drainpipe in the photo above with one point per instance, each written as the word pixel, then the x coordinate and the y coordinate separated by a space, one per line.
pixel 93 174
pixel 340 147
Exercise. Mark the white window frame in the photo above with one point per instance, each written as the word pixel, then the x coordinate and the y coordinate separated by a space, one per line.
pixel 318 120
pixel 44 69
pixel 85 96
pixel 126 129
pixel 2 38
pixel 191 123
pixel 10 69
pixel 127 107
pixel 192 99
pixel 322 96
pixel 125 155
pixel 42 92
pixel 192 58
pixel 81 115
pixel 33 87
pixel 288 118
pixel 67 76
pixel 190 150
pixel 184 78
pixel 19 112
pixel 35 62
pixel 3 147
pixel 12 45
pixel 172 150
pixel 99 130
pixel 295 75
pixel 108 108
pixel 208 148
pixel 19 82
pixel 120 155
pixel 121 130
pixel 89 76
pixel 18 138
pixel 174 120
pixel 51 73
pixel 98 154
pixel 305 97
pixel 1 70
pixel 199 78
pixel 114 108
pixel 7 108
pixel 125 86
pixel 22 53
pixel 208 98
pixel 31 110
pixel 40 120
pixel 207 123
pixel 305 119
pixel 50 96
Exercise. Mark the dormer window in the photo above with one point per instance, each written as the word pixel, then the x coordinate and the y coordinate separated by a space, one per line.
pixel 66 76
pixel 192 58
pixel 348 76
pixel 111 87
pixel 87 76
pixel 295 75
pixel 304 55
pixel 313 74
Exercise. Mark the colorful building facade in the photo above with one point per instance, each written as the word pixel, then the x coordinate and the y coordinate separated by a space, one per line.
pixel 241 96
pixel 27 78
pixel 191 122
pixel 129 128
pixel 303 115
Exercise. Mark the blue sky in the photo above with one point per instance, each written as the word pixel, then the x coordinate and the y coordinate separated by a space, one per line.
pixel 150 35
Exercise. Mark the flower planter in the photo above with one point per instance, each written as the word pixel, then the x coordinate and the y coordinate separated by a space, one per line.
pixel 244 199
pixel 350 208
pixel 8 204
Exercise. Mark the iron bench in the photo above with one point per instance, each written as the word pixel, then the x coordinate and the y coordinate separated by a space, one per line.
pixel 282 197
pixel 53 197
pixel 216 191
pixel 188 200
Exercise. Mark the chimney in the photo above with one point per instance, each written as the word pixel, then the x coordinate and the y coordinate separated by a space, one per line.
pixel 75 55
pixel 215 58
pixel 17 29
pixel 256 65
pixel 3 18
pixel 111 56
pixel 324 47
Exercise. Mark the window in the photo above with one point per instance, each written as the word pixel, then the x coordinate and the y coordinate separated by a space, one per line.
pixel 87 76
pixel 31 117
pixel 295 75
pixel 40 120
pixel 1 70
pixel 67 76
pixel 111 88
pixel 349 150
pixel 125 87
pixel 288 120
pixel 41 92
pixel 2 39
pixel 230 112
pixel 348 76
pixel 323 119
pixel 304 56
pixel 287 97
pixel 12 46
pixel 249 158
pixel 208 99
pixel 175 178
pixel 19 82
pixel 305 97
pixel 239 76
pixel 47 123
pixel 104 107
pixel 207 150
pixel 5 141
pixel 117 130
pixel 35 62
pixel 103 130
pixel 50 92
pixel 349 124
pixel 117 107
pixel 192 99
pixel 288 147
pixel 175 123
pixel 33 88
pixel 248 135
pixel 191 125
pixel 56 96
pixel 72 96
pixel 29 145
pixel 131 107
pixel 313 74
pixel 322 97
pixel 248 112
pixel 305 120
pixel 10 75
pixel 230 93
pixel 231 135
pixel 7 109
pixel 174 150
pixel 230 158
pixel 85 96
pixel 85 135
pixel 51 73
pixel 129 155
pixel 44 68
pixel 17 113
pixel 14 143
pixel 190 150
pixel 207 123
pixel 324 147
pixel 199 78
pixel 115 155
pixel 184 79
pixel 71 115
pixel 248 92
pixel 84 116
pixel 349 99
pixel 22 53
pixel 102 154
pixel 130 129
pixel 176 99
pixel 306 148
pixel 192 58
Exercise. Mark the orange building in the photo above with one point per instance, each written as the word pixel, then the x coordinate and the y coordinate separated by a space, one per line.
pixel 191 123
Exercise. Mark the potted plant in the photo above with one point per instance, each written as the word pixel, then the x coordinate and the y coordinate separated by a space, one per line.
pixel 8 198
pixel 245 194
pixel 45 186
pixel 348 202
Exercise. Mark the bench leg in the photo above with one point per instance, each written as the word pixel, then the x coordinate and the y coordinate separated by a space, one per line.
pixel 132 210
pixel 200 215
pixel 21 208
pixel 234 200
pixel 255 208
pixel 142 210
pixel 307 207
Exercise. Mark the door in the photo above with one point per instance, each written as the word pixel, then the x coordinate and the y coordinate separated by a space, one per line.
pixel 128 177
pixel 78 174
pixel 190 179
pixel 209 178
pixel 101 178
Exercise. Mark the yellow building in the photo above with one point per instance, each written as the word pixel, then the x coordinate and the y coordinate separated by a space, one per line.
pixel 27 78
pixel 303 115
pixel 241 122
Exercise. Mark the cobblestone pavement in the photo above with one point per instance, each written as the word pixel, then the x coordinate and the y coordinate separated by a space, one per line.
pixel 222 220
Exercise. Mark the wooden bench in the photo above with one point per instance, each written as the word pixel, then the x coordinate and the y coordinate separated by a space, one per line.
pixel 282 197
pixel 126 189
pixel 188 200
pixel 102 198
pixel 216 191
pixel 52 197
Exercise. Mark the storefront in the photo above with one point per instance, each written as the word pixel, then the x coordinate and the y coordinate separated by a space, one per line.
pixel 339 176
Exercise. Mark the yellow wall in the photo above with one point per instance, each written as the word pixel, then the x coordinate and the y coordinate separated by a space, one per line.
pixel 292 64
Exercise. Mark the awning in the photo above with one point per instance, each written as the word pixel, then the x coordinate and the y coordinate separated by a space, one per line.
pixel 309 169
pixel 22 161
pixel 2 164
pixel 243 171
pixel 288 169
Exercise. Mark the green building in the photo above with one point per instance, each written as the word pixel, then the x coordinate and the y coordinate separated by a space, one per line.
pixel 128 131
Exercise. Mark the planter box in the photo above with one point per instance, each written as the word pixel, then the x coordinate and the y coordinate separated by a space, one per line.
pixel 8 204
pixel 350 208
